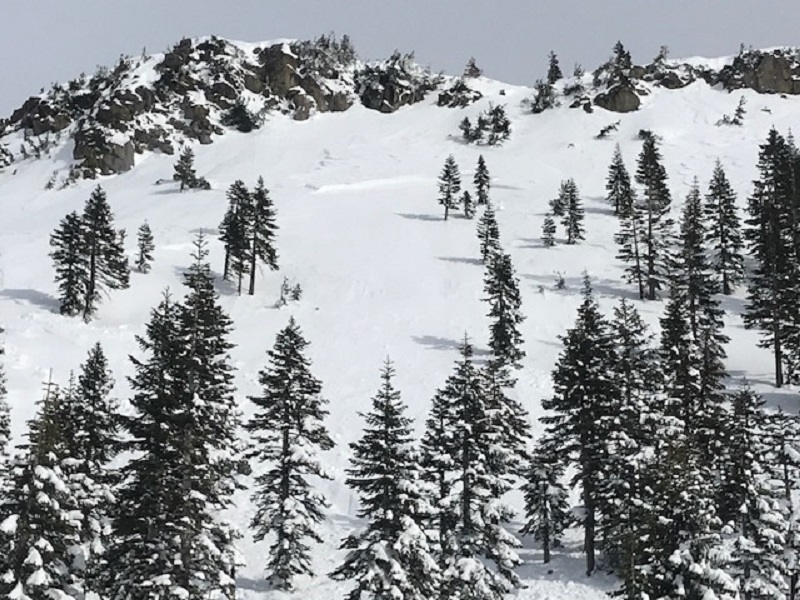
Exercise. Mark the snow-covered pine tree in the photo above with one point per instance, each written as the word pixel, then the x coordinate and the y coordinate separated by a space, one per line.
pixel 723 234
pixel 480 559
pixel 145 551
pixel 37 529
pixel 583 396
pixel 548 232
pixel 499 125
pixel 636 410
pixel 502 293
pixel 651 175
pixel 261 227
pixel 553 70
pixel 107 266
pixel 631 240
pixel 185 174
pixel 288 431
pixel 558 205
pixel 756 504
pixel 233 232
pixel 482 182
pixel 391 558
pixel 547 510
pixel 449 185
pixel 71 265
pixel 488 233
pixel 144 248
pixel 572 220
pixel 772 298
pixel 618 185
pixel 468 205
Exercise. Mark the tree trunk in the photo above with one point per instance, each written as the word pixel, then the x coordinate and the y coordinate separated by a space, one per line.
pixel 588 540
pixel 253 257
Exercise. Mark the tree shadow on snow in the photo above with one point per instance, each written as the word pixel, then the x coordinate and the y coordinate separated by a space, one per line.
pixel 34 297
pixel 420 217
pixel 462 260
pixel 222 286
pixel 439 343
pixel 573 285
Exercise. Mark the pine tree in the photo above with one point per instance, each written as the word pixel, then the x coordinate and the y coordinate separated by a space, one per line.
pixel 581 402
pixel 573 216
pixel 145 247
pixel 185 174
pixel 478 553
pixel 71 265
pixel 618 185
pixel 233 232
pixel 107 266
pixel 771 294
pixel 558 205
pixel 37 530
pixel 498 124
pixel 288 431
pixel 391 557
pixel 631 241
pixel 546 501
pixel 724 235
pixel 502 293
pixel 760 526
pixel 553 70
pixel 262 228
pixel 468 204
pixel 482 181
pixel 449 185
pixel 651 175
pixel 488 233
pixel 548 232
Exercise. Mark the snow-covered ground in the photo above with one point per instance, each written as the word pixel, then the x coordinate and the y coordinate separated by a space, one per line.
pixel 382 274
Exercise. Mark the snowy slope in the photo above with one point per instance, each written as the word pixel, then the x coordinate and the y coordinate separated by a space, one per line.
pixel 382 274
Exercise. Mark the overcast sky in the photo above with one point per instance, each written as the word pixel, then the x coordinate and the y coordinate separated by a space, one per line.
pixel 42 41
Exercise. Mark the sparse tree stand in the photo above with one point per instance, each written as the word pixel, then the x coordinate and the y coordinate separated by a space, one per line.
pixel 185 173
pixel 289 433
pixel 449 185
pixel 261 227
pixel 145 247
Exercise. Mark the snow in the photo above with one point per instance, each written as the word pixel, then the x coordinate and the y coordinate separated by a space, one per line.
pixel 381 273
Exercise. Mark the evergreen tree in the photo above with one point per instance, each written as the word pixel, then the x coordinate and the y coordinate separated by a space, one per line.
pixel 449 185
pixel 618 185
pixel 581 403
pixel 488 233
pixel 558 205
pixel 546 501
pixel 759 523
pixel 482 181
pixel 498 124
pixel 145 247
pixel 771 294
pixel 651 175
pixel 502 293
pixel 391 558
pixel 724 234
pixel 543 98
pixel 262 228
pixel 478 552
pixel 548 232
pixel 185 174
pixel 469 205
pixel 71 265
pixel 631 241
pixel 288 432
pixel 233 232
pixel 572 219
pixel 553 70
pixel 107 266
pixel 38 532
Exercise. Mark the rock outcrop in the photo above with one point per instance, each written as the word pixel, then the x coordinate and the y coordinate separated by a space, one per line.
pixel 766 72
pixel 620 98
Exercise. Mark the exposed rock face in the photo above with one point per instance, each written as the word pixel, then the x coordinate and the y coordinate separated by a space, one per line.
pixel 387 86
pixel 776 72
pixel 458 95
pixel 621 98
pixel 150 104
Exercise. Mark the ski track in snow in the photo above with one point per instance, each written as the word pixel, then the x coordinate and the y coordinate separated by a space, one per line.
pixel 382 274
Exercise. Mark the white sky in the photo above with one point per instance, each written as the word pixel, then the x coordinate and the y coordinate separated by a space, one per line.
pixel 42 41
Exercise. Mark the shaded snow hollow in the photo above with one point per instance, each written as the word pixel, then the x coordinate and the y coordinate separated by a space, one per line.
pixel 381 273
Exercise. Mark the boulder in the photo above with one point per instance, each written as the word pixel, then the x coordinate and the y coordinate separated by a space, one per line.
pixel 621 98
